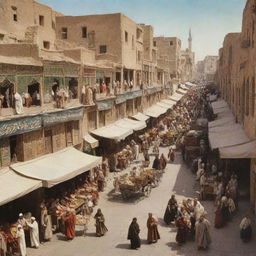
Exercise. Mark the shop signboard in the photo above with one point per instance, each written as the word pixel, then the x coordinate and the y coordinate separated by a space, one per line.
pixel 105 104
pixel 19 126
pixel 63 116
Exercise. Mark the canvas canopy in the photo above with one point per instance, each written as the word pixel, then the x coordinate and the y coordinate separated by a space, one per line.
pixel 14 186
pixel 169 103
pixel 163 105
pixel 91 140
pixel 135 125
pixel 181 91
pixel 176 97
pixel 222 121
pixel 113 132
pixel 155 111
pixel 245 150
pixel 183 87
pixel 141 117
pixel 227 137
pixel 58 167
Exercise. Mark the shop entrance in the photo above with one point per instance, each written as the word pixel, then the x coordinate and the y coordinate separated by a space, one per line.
pixel 73 88
pixel 13 148
pixel 48 141
pixel 118 76
pixel 34 92
pixel 7 94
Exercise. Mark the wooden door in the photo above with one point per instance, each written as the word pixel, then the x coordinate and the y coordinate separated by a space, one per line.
pixel 48 141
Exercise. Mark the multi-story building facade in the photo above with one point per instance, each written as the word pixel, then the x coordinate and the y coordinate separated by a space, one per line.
pixel 38 56
pixel 236 80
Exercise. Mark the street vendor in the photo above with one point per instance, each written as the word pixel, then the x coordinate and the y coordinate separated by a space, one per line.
pixel 70 222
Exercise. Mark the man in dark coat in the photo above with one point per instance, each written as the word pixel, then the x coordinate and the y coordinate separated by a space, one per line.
pixel 156 163
pixel 133 234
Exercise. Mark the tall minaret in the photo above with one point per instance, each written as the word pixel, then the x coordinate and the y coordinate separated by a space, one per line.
pixel 190 41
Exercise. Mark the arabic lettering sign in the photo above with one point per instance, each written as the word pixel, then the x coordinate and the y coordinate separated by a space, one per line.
pixel 120 98
pixel 62 116
pixel 19 126
pixel 105 105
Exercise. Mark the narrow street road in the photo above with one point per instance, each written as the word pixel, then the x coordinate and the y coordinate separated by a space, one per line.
pixel 177 178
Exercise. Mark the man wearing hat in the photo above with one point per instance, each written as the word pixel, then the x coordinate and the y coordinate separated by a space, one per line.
pixel 20 235
pixel 34 233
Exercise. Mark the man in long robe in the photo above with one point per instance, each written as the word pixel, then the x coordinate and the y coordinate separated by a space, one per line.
pixel 203 238
pixel 46 224
pixel 182 230
pixel 101 229
pixel 156 163
pixel 133 234
pixel 171 210
pixel 21 240
pixel 153 234
pixel 34 232
pixel 198 209
pixel 70 223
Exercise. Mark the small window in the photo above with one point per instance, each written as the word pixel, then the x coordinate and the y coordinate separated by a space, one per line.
pixel 103 48
pixel 46 45
pixel 64 33
pixel 14 8
pixel 126 36
pixel 41 20
pixel 84 32
pixel 1 37
pixel 133 42
pixel 15 18
pixel 171 43
pixel 53 25
pixel 154 43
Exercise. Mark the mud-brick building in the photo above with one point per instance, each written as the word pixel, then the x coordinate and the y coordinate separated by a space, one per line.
pixel 113 37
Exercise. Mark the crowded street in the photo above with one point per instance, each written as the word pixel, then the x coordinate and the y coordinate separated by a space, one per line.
pixel 127 128
pixel 177 179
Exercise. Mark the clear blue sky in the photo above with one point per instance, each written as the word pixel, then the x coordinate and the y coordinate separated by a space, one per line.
pixel 209 20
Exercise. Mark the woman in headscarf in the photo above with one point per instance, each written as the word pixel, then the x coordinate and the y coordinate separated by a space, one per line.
pixel 70 223
pixel 171 210
pixel 246 229
pixel 101 229
pixel 153 234
pixel 171 155
pixel 182 230
pixel 133 234
pixel 163 162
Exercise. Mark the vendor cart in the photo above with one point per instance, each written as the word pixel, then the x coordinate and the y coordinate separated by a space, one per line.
pixel 81 224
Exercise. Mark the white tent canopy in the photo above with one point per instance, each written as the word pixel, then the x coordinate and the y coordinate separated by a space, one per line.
pixel 245 150
pixel 141 117
pixel 14 186
pixel 169 103
pixel 92 141
pixel 222 121
pixel 58 167
pixel 176 97
pixel 113 132
pixel 155 111
pixel 163 105
pixel 180 90
pixel 230 137
pixel 135 125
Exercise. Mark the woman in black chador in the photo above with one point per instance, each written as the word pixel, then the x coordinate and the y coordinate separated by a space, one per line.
pixel 133 234
pixel 171 210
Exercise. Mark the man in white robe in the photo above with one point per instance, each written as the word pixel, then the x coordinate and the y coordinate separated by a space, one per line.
pixel 18 104
pixel 203 238
pixel 34 233
pixel 198 209
pixel 21 240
